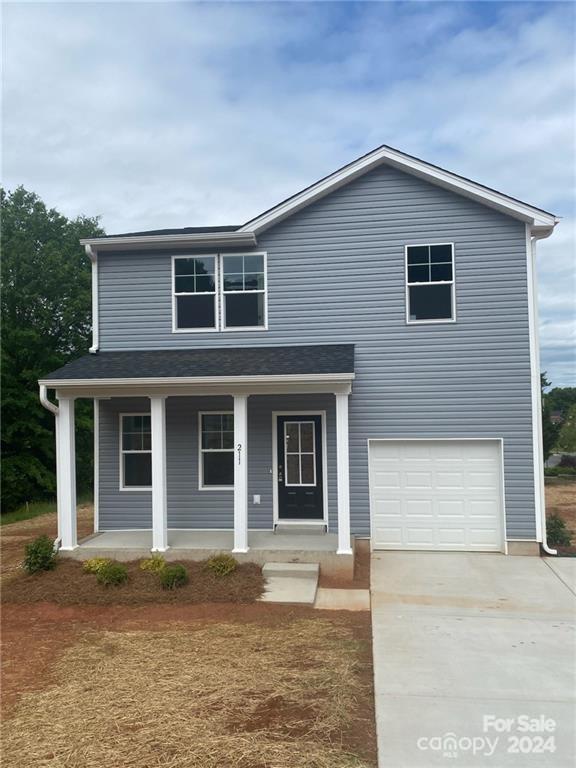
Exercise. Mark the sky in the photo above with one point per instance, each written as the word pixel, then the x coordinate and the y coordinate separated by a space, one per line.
pixel 156 115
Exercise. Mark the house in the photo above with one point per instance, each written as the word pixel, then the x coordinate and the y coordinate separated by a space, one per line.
pixel 358 362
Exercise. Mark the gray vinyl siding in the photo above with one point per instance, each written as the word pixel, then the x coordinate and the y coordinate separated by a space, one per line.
pixel 188 506
pixel 336 274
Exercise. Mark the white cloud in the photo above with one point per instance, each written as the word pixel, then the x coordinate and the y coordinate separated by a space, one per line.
pixel 183 114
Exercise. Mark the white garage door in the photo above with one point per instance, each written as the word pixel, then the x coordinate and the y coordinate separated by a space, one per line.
pixel 436 494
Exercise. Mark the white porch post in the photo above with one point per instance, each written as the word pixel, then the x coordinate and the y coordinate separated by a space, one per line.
pixel 240 473
pixel 159 497
pixel 343 470
pixel 66 473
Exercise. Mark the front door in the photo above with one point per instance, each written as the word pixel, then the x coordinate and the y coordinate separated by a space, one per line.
pixel 300 481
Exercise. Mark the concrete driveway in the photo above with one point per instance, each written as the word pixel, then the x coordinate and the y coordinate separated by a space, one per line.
pixel 474 659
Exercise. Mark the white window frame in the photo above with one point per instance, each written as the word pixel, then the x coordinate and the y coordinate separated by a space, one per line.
pixel 122 452
pixel 175 328
pixel 407 285
pixel 263 291
pixel 300 453
pixel 202 451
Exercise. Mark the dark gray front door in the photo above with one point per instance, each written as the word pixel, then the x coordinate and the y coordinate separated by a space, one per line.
pixel 300 481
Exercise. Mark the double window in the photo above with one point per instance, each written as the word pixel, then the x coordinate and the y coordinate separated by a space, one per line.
pixel 430 283
pixel 219 292
pixel 216 451
pixel 135 452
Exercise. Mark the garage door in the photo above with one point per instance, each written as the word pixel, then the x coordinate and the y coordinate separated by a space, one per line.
pixel 436 494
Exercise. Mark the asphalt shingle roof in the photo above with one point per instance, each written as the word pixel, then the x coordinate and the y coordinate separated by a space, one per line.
pixel 181 231
pixel 223 361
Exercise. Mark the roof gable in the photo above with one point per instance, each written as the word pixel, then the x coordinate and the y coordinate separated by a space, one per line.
pixel 537 218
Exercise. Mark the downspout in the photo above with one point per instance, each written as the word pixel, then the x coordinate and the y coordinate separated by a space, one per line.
pixel 538 447
pixel 93 256
pixel 50 406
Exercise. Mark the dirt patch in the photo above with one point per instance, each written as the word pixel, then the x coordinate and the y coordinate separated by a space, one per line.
pixel 250 686
pixel 69 584
pixel 15 536
pixel 561 500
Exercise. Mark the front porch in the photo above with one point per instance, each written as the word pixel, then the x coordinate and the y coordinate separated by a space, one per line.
pixel 263 546
pixel 192 465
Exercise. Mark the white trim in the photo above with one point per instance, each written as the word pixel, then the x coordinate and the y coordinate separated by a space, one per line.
pixel 66 474
pixel 93 256
pixel 121 452
pixel 159 489
pixel 343 470
pixel 407 286
pixel 194 240
pixel 499 440
pixel 224 293
pixel 201 486
pixel 96 465
pixel 188 380
pixel 536 396
pixel 409 164
pixel 214 293
pixel 275 518
pixel 240 473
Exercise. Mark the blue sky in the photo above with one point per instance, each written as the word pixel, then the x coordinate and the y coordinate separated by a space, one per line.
pixel 175 114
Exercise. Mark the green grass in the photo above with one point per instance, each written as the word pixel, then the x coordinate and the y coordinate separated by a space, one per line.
pixel 35 509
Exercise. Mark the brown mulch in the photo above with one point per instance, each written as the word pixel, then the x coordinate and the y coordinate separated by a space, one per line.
pixel 15 536
pixel 64 656
pixel 70 584
pixel 561 500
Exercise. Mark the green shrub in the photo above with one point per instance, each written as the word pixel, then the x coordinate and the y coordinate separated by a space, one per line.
pixel 95 564
pixel 559 471
pixel 558 534
pixel 172 576
pixel 39 555
pixel 221 565
pixel 112 574
pixel 154 564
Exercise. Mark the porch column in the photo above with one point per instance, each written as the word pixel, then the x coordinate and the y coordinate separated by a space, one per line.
pixel 66 473
pixel 159 496
pixel 343 471
pixel 240 473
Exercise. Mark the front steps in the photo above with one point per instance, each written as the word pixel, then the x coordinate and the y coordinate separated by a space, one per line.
pixel 290 583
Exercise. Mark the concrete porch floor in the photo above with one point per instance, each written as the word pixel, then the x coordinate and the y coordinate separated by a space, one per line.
pixel 264 546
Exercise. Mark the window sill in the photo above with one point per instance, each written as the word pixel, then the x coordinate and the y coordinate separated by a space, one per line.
pixel 144 488
pixel 216 488
pixel 430 322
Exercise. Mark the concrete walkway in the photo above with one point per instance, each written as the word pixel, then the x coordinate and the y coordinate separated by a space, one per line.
pixel 469 650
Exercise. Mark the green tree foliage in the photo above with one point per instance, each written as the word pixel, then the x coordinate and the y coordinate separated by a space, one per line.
pixel 561 399
pixel 567 438
pixel 549 430
pixel 46 315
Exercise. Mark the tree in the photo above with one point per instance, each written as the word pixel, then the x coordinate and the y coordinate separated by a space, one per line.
pixel 567 438
pixel 549 430
pixel 561 399
pixel 46 316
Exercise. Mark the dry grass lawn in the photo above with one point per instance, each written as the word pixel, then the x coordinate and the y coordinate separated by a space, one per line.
pixel 155 684
pixel 288 693
pixel 561 500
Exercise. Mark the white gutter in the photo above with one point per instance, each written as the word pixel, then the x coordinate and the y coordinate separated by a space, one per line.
pixel 45 402
pixel 55 410
pixel 192 380
pixel 93 256
pixel 159 241
pixel 532 236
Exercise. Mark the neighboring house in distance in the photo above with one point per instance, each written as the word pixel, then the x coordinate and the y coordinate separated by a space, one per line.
pixel 359 361
pixel 556 417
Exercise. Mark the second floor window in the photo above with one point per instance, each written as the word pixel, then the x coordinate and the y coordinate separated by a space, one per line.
pixel 430 283
pixel 195 293
pixel 219 292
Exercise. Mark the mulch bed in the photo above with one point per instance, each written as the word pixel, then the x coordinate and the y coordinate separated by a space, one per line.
pixel 69 584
